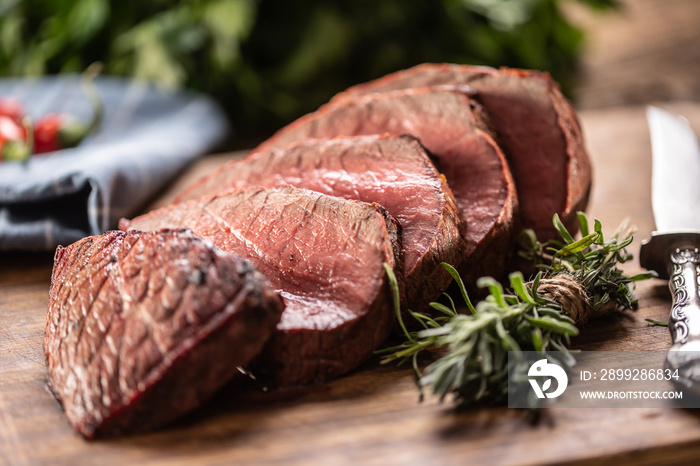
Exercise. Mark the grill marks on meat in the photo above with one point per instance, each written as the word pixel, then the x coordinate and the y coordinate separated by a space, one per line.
pixel 142 327
pixel 324 253
pixel 455 130
pixel 393 171
pixel 537 126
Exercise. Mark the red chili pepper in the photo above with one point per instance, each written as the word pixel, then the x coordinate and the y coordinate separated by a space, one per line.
pixel 46 133
pixel 56 131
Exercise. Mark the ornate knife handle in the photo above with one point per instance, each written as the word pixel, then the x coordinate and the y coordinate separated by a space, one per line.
pixel 675 257
pixel 684 321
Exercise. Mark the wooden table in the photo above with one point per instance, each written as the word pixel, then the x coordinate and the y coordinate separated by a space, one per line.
pixel 373 415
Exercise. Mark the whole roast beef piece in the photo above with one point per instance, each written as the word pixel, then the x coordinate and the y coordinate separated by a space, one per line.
pixel 393 171
pixel 142 327
pixel 455 130
pixel 538 128
pixel 326 257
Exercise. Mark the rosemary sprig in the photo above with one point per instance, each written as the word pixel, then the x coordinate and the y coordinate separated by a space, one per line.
pixel 532 317
pixel 657 323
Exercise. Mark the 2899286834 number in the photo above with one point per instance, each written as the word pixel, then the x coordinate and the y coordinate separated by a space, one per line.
pixel 639 374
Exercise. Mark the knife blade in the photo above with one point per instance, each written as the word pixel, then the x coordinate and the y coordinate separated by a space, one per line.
pixel 673 250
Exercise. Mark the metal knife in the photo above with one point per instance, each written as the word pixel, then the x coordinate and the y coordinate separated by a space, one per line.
pixel 673 250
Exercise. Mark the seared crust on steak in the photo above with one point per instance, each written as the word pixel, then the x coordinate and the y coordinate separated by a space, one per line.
pixel 143 326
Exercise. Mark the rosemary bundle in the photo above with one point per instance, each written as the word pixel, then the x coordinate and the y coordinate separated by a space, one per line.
pixel 576 279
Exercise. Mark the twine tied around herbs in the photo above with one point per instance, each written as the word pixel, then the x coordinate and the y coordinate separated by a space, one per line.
pixel 573 297
pixel 577 279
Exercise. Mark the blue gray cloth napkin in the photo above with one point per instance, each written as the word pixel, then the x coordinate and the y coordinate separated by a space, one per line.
pixel 147 137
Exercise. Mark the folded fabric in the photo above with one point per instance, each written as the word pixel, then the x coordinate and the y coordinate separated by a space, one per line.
pixel 148 135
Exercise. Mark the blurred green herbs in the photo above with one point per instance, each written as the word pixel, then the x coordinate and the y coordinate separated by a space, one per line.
pixel 269 61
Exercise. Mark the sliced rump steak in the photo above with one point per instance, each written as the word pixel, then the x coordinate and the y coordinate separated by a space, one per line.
pixel 455 130
pixel 323 253
pixel 538 128
pixel 142 327
pixel 393 171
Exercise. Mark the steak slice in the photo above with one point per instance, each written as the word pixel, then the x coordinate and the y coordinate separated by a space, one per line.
pixel 455 130
pixel 393 171
pixel 323 253
pixel 538 129
pixel 142 327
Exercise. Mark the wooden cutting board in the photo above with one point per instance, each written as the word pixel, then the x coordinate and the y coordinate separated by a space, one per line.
pixel 373 415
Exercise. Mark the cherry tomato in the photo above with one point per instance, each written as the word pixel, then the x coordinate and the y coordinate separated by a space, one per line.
pixel 12 107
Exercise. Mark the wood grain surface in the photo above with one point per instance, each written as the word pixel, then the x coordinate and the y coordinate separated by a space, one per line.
pixel 372 416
